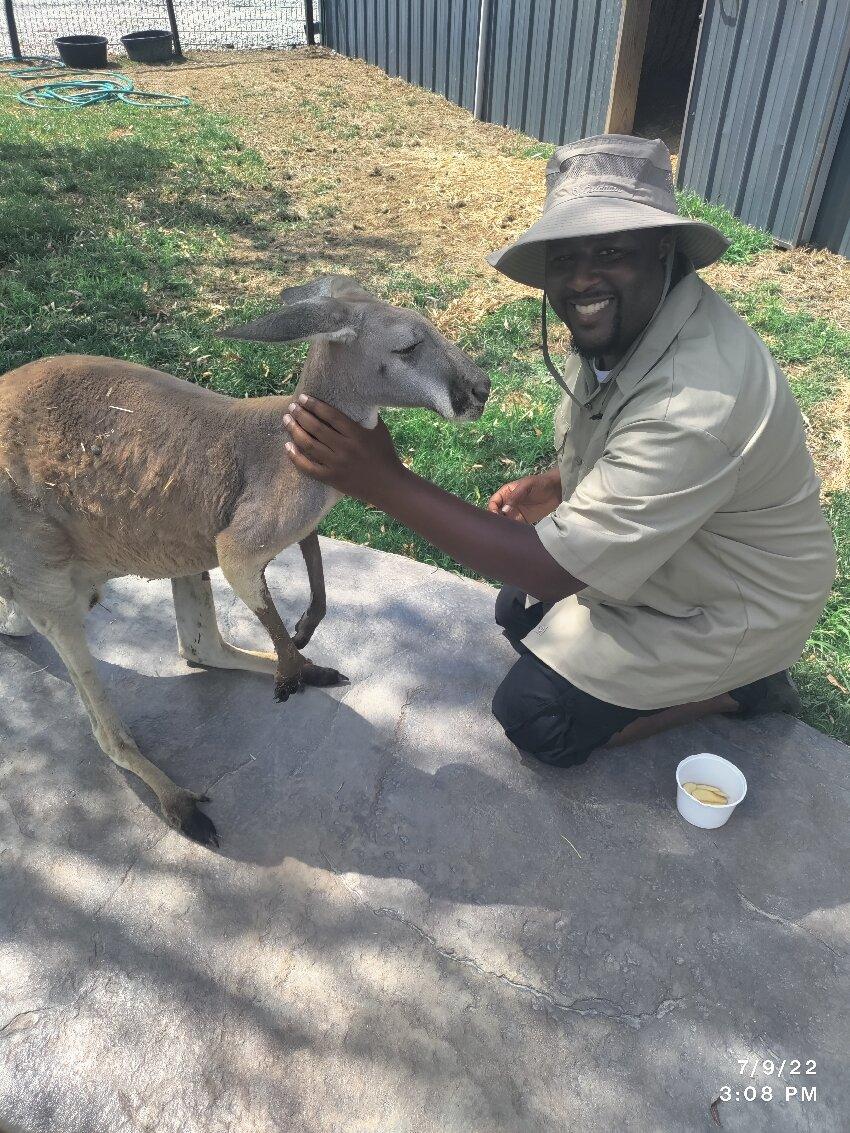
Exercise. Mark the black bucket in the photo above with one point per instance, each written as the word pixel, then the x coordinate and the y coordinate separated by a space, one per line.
pixel 82 52
pixel 154 46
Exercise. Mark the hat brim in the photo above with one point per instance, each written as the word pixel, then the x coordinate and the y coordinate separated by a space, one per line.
pixel 525 259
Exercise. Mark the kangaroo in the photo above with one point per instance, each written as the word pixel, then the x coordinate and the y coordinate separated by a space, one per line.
pixel 111 468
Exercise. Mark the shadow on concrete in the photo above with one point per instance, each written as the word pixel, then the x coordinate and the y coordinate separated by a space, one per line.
pixel 396 930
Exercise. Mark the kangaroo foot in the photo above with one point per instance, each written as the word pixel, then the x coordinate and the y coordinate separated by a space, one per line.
pixel 309 674
pixel 14 623
pixel 181 812
pixel 322 677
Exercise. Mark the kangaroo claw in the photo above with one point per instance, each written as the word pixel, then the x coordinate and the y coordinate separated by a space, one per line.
pixel 182 814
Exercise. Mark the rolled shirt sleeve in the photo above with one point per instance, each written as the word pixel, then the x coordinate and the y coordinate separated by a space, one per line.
pixel 655 485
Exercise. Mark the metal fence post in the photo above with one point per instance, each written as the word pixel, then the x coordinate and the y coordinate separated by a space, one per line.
pixel 309 22
pixel 172 20
pixel 14 42
pixel 481 63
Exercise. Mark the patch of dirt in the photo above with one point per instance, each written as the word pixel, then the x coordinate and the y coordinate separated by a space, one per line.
pixel 387 176
pixel 517 399
pixel 391 176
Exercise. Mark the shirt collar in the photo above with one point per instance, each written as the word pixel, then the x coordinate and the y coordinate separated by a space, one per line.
pixel 677 308
pixel 661 332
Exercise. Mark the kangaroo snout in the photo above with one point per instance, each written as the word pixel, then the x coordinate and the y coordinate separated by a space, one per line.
pixel 481 390
pixel 469 395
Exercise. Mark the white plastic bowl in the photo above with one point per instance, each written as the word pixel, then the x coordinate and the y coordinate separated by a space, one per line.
pixel 717 772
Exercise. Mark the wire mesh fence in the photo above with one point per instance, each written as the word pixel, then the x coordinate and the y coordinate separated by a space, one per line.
pixel 201 23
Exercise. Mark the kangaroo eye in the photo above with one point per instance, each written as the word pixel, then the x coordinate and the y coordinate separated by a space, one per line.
pixel 407 349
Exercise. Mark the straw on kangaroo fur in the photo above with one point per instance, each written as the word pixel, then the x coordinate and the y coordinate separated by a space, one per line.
pixel 111 469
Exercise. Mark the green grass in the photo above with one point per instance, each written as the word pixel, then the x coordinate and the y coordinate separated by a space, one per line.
pixel 746 243
pixel 797 339
pixel 533 152
pixel 114 222
pixel 407 290
pixel 828 650
pixel 109 218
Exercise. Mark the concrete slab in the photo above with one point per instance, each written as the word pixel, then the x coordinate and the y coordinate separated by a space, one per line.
pixel 406 928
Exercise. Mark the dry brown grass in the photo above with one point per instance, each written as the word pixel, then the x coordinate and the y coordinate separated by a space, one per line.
pixel 809 279
pixel 829 440
pixel 416 180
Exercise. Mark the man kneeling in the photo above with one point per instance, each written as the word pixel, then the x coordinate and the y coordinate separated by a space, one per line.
pixel 674 561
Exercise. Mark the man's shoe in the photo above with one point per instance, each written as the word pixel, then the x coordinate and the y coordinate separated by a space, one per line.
pixel 773 694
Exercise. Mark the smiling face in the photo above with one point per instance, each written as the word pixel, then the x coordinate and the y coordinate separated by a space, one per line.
pixel 606 288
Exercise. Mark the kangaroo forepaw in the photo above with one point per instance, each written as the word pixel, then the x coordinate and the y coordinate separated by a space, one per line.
pixel 322 677
pixel 304 630
pixel 181 812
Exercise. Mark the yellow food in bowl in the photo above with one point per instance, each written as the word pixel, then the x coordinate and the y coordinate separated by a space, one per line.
pixel 705 793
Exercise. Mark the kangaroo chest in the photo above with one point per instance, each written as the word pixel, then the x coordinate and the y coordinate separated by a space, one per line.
pixel 308 508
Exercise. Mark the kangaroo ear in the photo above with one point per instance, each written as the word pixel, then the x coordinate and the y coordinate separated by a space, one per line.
pixel 325 287
pixel 326 319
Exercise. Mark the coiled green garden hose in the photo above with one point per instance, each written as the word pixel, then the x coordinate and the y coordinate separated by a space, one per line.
pixel 82 92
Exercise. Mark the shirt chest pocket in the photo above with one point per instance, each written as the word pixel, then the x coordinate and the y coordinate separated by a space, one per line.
pixel 593 450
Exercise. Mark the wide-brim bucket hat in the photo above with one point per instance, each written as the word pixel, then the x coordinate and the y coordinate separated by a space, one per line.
pixel 597 186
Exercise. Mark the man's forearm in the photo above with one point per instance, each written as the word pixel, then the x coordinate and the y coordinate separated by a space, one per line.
pixel 489 544
pixel 363 463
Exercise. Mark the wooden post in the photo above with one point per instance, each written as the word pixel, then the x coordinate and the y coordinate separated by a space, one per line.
pixel 310 23
pixel 14 42
pixel 628 63
pixel 175 34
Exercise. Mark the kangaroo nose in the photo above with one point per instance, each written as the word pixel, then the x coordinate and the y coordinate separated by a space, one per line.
pixel 482 389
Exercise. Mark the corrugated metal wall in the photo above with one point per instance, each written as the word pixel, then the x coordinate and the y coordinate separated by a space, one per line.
pixel 764 112
pixel 832 228
pixel 549 66
pixel 549 62
pixel 433 43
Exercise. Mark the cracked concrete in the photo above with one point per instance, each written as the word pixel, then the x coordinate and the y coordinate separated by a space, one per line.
pixel 785 923
pixel 407 928
pixel 593 1008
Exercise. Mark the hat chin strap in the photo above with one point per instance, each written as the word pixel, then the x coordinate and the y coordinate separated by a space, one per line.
pixel 553 369
pixel 550 365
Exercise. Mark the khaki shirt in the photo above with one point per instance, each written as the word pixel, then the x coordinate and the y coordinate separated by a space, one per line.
pixel 691 510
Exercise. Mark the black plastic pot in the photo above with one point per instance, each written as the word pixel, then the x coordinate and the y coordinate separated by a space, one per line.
pixel 154 46
pixel 82 51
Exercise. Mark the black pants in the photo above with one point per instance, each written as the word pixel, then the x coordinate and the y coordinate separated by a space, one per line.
pixel 544 714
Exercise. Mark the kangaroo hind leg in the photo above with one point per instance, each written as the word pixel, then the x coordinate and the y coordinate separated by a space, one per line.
pixel 65 631
pixel 199 639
